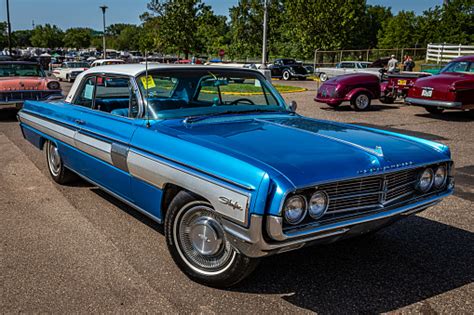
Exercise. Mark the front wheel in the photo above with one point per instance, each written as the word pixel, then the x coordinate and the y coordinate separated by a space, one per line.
pixel 361 101
pixel 198 245
pixel 286 75
pixel 434 110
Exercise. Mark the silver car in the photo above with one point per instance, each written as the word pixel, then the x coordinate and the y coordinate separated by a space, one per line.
pixel 345 67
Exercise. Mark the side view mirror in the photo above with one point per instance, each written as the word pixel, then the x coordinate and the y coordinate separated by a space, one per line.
pixel 293 106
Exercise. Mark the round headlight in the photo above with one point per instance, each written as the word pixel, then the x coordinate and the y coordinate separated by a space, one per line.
pixel 318 204
pixel 295 209
pixel 440 177
pixel 426 180
pixel 53 85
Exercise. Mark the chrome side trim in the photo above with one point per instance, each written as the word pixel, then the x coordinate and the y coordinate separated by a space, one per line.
pixel 158 174
pixel 418 101
pixel 119 155
pixel 95 147
pixel 275 224
pixel 56 131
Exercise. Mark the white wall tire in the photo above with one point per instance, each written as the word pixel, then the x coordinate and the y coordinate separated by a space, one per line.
pixel 196 241
pixel 57 170
pixel 323 77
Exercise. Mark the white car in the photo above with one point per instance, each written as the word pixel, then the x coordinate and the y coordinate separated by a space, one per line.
pixel 346 67
pixel 69 70
pixel 106 62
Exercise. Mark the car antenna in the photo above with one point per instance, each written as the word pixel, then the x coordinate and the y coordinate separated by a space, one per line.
pixel 146 91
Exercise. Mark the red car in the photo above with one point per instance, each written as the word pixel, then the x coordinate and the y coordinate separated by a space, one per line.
pixel 398 84
pixel 21 81
pixel 357 88
pixel 453 88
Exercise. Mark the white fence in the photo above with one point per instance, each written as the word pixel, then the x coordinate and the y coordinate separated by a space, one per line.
pixel 441 53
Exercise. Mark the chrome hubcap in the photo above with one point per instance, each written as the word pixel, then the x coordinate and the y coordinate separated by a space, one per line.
pixel 362 101
pixel 201 240
pixel 54 160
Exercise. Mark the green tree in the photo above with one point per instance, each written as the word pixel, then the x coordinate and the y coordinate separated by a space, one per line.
pixel 127 39
pixel 3 35
pixel 457 22
pixel 326 25
pixel 49 36
pixel 177 22
pixel 374 17
pixel 21 38
pixel 78 38
pixel 399 31
pixel 212 31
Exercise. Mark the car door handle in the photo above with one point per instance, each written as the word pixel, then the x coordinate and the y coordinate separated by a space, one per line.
pixel 80 122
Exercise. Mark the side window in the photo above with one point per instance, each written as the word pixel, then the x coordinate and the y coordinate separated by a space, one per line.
pixel 115 95
pixel 347 65
pixel 86 94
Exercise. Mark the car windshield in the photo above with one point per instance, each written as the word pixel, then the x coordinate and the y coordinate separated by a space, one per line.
pixel 20 70
pixel 184 93
pixel 77 65
pixel 459 66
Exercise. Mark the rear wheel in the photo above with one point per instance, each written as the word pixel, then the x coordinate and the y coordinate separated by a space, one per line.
pixel 58 171
pixel 434 110
pixel 361 101
pixel 198 245
pixel 323 77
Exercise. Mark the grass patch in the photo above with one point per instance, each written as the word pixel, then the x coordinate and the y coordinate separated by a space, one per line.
pixel 250 89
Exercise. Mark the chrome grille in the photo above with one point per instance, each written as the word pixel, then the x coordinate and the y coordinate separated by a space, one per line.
pixel 24 95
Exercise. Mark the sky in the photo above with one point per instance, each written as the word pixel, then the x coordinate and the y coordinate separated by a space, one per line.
pixel 86 13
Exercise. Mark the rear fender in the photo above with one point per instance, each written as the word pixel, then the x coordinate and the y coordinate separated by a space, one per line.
pixel 356 91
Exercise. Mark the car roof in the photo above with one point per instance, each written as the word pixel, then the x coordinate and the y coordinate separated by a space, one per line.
pixel 137 68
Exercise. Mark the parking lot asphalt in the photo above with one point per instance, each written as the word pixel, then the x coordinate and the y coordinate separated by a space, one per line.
pixel 77 249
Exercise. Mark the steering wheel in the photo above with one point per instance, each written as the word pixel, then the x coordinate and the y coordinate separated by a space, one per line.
pixel 234 102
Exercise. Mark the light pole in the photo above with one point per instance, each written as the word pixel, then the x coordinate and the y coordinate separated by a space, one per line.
pixel 264 46
pixel 9 27
pixel 104 7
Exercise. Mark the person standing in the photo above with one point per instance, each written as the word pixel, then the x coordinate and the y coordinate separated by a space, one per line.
pixel 409 64
pixel 392 64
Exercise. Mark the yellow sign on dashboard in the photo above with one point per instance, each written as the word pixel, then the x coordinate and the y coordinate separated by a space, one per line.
pixel 148 82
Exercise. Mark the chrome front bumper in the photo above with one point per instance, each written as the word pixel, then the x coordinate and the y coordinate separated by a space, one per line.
pixel 424 102
pixel 254 242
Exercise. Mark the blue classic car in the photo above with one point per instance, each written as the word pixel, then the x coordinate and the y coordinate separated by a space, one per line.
pixel 232 172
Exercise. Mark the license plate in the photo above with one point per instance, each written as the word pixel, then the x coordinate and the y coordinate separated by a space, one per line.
pixel 402 82
pixel 427 92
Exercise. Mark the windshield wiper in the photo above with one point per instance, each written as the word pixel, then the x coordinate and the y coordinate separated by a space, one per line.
pixel 191 119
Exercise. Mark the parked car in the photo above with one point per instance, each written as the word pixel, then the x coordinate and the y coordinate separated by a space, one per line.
pixel 21 80
pixel 346 67
pixel 234 176
pixel 69 70
pixel 396 85
pixel 288 69
pixel 357 88
pixel 453 88
pixel 106 62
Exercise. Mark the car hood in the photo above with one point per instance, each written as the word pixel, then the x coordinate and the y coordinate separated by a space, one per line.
pixel 22 83
pixel 308 151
